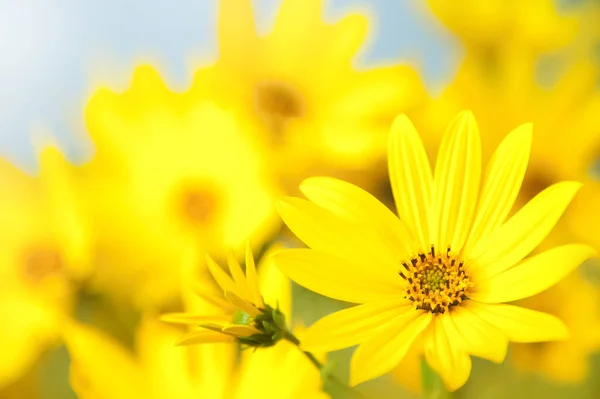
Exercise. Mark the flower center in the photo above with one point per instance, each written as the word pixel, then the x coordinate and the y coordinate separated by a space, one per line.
pixel 436 282
pixel 199 204
pixel 277 102
pixel 41 262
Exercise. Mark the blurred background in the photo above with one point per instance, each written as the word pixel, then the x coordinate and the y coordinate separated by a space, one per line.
pixel 62 50
pixel 136 133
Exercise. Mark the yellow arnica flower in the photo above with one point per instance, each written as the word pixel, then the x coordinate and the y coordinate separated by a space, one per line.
pixel 299 85
pixel 103 369
pixel 245 317
pixel 535 24
pixel 170 173
pixel 43 252
pixel 507 93
pixel 443 269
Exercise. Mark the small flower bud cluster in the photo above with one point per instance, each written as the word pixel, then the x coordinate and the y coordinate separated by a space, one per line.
pixel 272 326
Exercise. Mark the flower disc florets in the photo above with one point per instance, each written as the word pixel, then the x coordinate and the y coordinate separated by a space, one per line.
pixel 436 282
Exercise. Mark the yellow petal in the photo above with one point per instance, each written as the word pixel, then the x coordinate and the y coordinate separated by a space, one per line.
pixel 346 37
pixel 520 324
pixel 523 232
pixel 386 349
pixel 533 275
pixel 252 278
pixel 240 330
pixel 324 231
pixel 350 201
pixel 239 277
pixel 291 24
pixel 204 337
pixel 211 368
pixel 352 326
pixel 411 179
pixel 67 217
pixel 475 336
pixel 380 91
pixel 275 286
pixel 502 183
pixel 236 31
pixel 193 319
pixel 200 289
pixel 30 328
pixel 97 358
pixel 156 355
pixel 452 363
pixel 337 278
pixel 241 303
pixel 282 368
pixel 224 281
pixel 456 182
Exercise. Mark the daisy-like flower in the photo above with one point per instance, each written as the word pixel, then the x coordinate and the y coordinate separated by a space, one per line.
pixel 297 82
pixel 44 254
pixel 243 314
pixel 173 172
pixel 438 275
pixel 506 93
pixel 534 26
pixel 101 368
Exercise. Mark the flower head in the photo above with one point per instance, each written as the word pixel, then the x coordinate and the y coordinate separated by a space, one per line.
pixel 245 317
pixel 174 172
pixel 537 25
pixel 298 84
pixel 444 267
pixel 102 368
pixel 44 256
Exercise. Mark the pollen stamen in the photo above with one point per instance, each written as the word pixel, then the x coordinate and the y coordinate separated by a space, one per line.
pixel 438 282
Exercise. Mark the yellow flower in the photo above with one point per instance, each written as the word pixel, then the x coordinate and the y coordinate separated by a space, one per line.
pixel 170 172
pixel 483 25
pixel 102 369
pixel 444 268
pixel 299 85
pixel 511 96
pixel 565 143
pixel 576 302
pixel 244 317
pixel 42 256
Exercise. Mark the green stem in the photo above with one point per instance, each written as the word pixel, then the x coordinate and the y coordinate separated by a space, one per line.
pixel 433 387
pixel 314 361
pixel 329 380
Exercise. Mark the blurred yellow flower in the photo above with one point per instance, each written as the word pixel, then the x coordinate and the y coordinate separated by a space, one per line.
pixel 170 173
pixel 444 268
pixel 490 26
pixel 566 138
pixel 315 110
pixel 579 306
pixel 244 315
pixel 43 256
pixel 101 369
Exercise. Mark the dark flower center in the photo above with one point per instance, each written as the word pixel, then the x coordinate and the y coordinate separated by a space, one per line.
pixel 436 282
